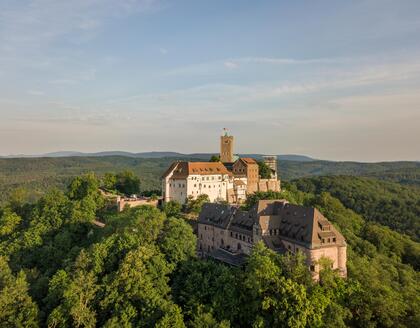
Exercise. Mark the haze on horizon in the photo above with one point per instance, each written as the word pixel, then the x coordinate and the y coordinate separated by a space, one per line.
pixel 333 80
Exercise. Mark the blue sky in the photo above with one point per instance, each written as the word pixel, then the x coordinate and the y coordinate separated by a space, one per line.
pixel 330 79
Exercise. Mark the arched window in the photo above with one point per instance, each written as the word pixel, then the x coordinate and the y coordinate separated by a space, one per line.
pixel 239 246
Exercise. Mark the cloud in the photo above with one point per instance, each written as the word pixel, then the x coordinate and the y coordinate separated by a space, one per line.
pixel 289 61
pixel 231 65
pixel 35 23
pixel 36 92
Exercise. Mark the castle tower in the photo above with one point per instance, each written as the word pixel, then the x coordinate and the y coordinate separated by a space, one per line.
pixel 271 162
pixel 226 148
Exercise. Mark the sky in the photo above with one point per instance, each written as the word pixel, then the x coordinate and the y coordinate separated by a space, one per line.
pixel 337 80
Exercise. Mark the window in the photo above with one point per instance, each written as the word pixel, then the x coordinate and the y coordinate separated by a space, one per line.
pixel 312 268
pixel 239 246
pixel 201 236
pixel 334 240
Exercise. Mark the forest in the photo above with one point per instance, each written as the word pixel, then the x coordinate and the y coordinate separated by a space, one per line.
pixel 36 175
pixel 59 269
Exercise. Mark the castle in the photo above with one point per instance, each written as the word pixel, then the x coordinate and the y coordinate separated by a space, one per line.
pixel 227 233
pixel 230 179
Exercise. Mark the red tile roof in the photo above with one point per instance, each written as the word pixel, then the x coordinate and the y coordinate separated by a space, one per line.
pixel 248 160
pixel 184 169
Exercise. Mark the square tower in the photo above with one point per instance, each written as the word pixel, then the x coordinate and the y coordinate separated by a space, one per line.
pixel 226 149
pixel 271 162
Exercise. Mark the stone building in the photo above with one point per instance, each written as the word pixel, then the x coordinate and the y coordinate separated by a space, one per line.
pixel 271 162
pixel 226 148
pixel 231 179
pixel 184 179
pixel 227 233
pixel 246 169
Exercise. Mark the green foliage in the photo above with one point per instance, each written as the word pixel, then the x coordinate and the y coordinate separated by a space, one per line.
pixel 195 205
pixel 172 208
pixel 9 221
pixel 127 183
pixel 83 186
pixel 387 203
pixel 177 241
pixel 141 269
pixel 215 158
pixel 264 170
pixel 16 307
pixel 109 181
pixel 291 196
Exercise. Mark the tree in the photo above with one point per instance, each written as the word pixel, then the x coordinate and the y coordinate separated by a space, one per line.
pixel 202 319
pixel 109 181
pixel 207 286
pixel 9 221
pixel 195 205
pixel 83 186
pixel 18 197
pixel 177 241
pixel 264 170
pixel 138 291
pixel 16 307
pixel 172 208
pixel 274 300
pixel 127 183
pixel 215 158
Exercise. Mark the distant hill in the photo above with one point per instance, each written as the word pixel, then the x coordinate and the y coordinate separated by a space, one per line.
pixel 154 154
pixel 38 175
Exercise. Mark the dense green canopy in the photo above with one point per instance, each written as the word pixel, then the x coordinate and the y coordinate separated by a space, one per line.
pixel 58 269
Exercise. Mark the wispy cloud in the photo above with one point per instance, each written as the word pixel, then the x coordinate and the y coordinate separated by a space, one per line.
pixel 231 64
pixel 36 92
pixel 35 23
